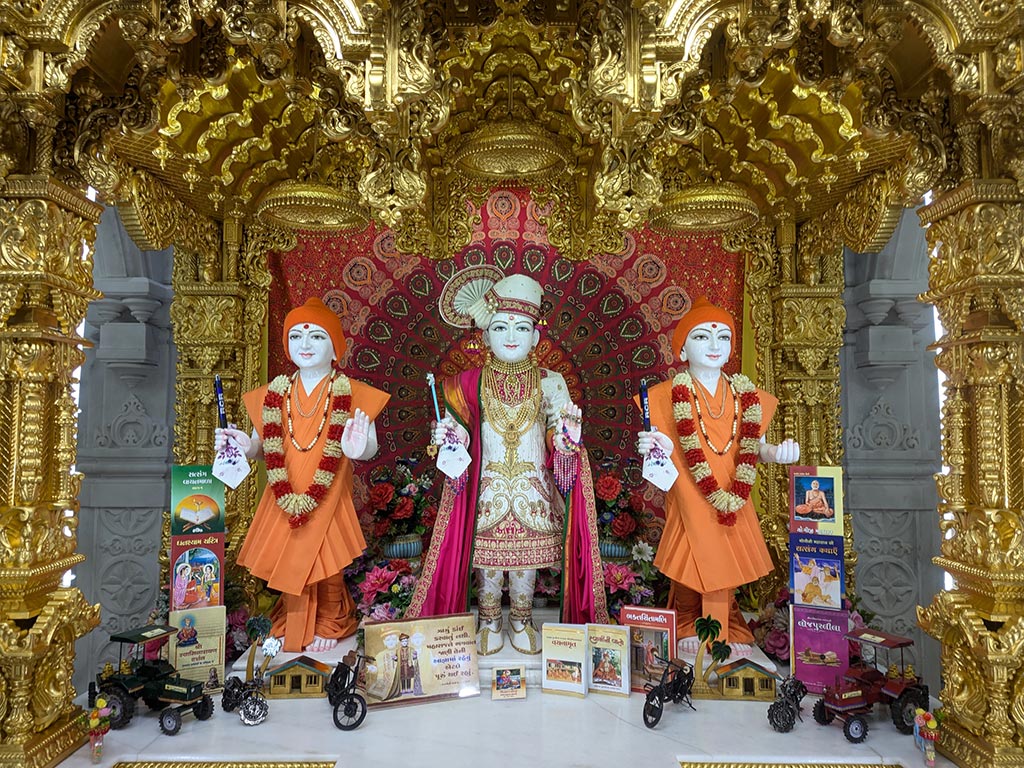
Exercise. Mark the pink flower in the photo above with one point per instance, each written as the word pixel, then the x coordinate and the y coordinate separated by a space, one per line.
pixel 776 643
pixel 383 613
pixel 618 577
pixel 377 580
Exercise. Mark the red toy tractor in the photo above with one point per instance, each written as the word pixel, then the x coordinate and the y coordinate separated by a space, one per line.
pixel 864 685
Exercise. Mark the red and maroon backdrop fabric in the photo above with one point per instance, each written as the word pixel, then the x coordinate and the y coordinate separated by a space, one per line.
pixel 609 320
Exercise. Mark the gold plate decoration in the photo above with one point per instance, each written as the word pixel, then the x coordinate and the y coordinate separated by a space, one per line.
pixel 715 206
pixel 311 207
pixel 510 149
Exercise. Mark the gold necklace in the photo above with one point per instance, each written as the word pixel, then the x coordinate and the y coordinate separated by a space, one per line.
pixel 511 403
pixel 316 402
pixel 735 421
pixel 323 421
pixel 704 392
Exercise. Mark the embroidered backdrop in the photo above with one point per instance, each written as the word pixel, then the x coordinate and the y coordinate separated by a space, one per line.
pixel 609 320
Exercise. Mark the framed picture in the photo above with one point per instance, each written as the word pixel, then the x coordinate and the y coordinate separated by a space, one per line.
pixel 509 683
pixel 417 660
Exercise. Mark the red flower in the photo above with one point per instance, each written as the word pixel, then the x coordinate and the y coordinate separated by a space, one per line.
pixel 429 516
pixel 607 487
pixel 636 501
pixel 401 567
pixel 623 525
pixel 381 495
pixel 404 509
pixel 380 528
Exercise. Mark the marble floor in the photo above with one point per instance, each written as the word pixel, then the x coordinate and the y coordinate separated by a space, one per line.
pixel 542 730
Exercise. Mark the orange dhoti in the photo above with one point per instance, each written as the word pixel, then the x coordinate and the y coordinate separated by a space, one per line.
pixel 706 560
pixel 305 564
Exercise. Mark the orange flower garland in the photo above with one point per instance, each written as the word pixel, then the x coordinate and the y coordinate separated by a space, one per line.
pixel 299 506
pixel 726 502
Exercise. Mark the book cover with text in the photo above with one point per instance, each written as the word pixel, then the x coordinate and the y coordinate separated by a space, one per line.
pixel 608 654
pixel 819 650
pixel 197 571
pixel 197 501
pixel 816 500
pixel 652 640
pixel 816 573
pixel 563 664
pixel 197 649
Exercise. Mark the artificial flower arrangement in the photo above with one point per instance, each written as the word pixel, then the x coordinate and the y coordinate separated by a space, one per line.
pixel 381 589
pixel 97 722
pixel 620 509
pixel 622 518
pixel 400 503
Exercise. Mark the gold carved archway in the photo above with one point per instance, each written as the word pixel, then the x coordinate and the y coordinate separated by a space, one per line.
pixel 209 124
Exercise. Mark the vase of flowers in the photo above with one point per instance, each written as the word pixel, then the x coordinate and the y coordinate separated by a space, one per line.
pixel 619 516
pixel 402 510
pixel 97 724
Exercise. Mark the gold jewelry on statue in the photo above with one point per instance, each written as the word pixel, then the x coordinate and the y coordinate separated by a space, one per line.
pixel 316 390
pixel 323 421
pixel 511 398
pixel 735 419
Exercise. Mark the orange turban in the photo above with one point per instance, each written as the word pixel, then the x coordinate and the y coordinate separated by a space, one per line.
pixel 701 311
pixel 315 312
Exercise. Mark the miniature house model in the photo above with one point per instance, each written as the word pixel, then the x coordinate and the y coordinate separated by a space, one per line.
pixel 301 677
pixel 746 679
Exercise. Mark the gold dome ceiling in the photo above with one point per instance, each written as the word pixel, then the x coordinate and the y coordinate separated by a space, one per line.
pixel 611 111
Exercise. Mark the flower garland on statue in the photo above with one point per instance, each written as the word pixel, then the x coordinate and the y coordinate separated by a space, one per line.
pixel 299 506
pixel 726 502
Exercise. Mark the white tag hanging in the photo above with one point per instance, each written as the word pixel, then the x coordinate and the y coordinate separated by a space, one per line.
pixel 230 465
pixel 659 469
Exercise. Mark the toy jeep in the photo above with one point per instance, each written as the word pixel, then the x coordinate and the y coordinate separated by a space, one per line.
pixel 864 685
pixel 156 682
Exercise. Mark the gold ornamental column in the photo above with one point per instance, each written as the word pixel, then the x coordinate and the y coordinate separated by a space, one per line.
pixel 798 318
pixel 976 281
pixel 46 235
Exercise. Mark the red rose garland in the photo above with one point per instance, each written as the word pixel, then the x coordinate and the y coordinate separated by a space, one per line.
pixel 726 502
pixel 298 506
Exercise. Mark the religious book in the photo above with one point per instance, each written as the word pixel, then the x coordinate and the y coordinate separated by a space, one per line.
pixel 197 648
pixel 816 572
pixel 816 500
pixel 608 659
pixel 197 501
pixel 508 683
pixel 652 640
pixel 564 658
pixel 819 651
pixel 197 571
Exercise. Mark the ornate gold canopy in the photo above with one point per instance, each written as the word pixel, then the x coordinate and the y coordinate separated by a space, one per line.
pixel 796 127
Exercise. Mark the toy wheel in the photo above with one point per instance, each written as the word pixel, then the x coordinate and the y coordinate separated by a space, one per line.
pixel 781 716
pixel 203 709
pixel 254 710
pixel 798 690
pixel 855 729
pixel 822 714
pixel 122 706
pixel 654 707
pixel 170 721
pixel 904 709
pixel 232 695
pixel 154 704
pixel 350 711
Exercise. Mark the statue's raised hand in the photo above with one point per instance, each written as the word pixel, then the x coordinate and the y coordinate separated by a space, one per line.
pixel 355 435
pixel 569 429
pixel 241 439
pixel 645 441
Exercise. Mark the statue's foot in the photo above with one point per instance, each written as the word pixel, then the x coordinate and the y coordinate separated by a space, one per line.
pixel 321 644
pixel 489 638
pixel 740 650
pixel 525 637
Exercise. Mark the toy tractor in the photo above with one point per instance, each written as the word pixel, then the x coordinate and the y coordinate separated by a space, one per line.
pixel 155 681
pixel 785 710
pixel 863 685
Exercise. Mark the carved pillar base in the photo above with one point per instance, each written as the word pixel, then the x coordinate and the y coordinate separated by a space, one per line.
pixel 49 748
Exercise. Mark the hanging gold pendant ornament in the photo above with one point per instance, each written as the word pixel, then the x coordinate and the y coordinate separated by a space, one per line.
pixel 714 206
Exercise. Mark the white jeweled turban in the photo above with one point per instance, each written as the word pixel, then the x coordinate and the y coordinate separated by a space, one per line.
pixel 476 293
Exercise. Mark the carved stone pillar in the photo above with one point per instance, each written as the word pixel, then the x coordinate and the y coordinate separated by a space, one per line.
pixel 975 281
pixel 47 231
